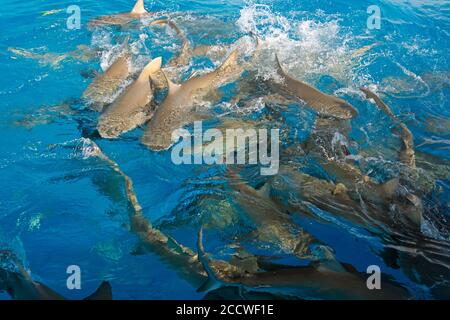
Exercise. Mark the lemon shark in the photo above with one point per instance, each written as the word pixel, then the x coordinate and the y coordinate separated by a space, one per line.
pixel 177 109
pixel 106 85
pixel 121 19
pixel 20 286
pixel 315 281
pixel 273 226
pixel 324 104
pixel 54 60
pixel 406 154
pixel 133 106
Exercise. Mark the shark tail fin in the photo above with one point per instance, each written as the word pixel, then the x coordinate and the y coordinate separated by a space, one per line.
pixel 231 61
pixel 139 7
pixel 212 282
pixel 151 68
pixel 103 292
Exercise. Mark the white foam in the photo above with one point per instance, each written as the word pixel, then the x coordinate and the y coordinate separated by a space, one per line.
pixel 307 48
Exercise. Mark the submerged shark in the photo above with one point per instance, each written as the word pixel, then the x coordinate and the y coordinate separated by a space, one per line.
pixel 316 281
pixel 406 155
pixel 121 19
pixel 133 106
pixel 188 51
pixel 20 286
pixel 54 60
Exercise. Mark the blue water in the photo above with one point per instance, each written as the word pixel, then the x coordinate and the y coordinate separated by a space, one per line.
pixel 54 214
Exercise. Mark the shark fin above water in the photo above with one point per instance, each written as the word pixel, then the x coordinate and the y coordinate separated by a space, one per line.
pixel 139 7
pixel 103 292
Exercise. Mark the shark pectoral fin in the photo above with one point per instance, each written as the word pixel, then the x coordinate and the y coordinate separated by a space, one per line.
pixel 139 7
pixel 212 282
pixel 103 292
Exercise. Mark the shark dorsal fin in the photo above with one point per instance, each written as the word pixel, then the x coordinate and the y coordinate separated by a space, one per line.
pixel 172 86
pixel 150 69
pixel 230 61
pixel 139 7
pixel 390 187
pixel 103 292
pixel 279 66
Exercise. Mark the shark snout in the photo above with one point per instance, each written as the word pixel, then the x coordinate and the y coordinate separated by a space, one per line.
pixel 108 130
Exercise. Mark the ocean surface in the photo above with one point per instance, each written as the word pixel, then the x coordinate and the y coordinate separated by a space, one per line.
pixel 57 206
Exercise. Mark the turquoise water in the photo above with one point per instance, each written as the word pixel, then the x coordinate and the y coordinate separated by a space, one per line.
pixel 56 210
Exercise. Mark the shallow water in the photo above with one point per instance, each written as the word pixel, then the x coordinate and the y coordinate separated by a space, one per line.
pixel 57 207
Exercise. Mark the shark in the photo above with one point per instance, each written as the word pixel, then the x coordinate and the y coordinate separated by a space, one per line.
pixel 177 109
pixel 133 106
pixel 321 280
pixel 122 19
pixel 273 226
pixel 20 286
pixel 325 105
pixel 108 83
pixel 54 60
pixel 188 51
pixel 406 154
